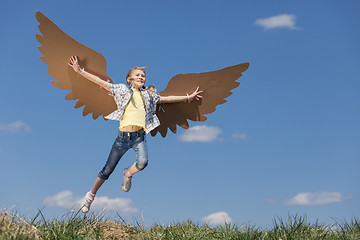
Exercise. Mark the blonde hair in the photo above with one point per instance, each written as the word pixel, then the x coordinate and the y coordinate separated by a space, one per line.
pixel 151 88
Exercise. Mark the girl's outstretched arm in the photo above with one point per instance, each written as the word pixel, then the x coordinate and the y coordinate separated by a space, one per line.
pixel 173 99
pixel 95 79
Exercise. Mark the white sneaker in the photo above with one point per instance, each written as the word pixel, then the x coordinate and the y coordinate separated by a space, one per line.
pixel 126 184
pixel 86 203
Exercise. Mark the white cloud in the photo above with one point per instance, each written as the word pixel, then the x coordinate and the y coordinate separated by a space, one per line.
pixel 116 204
pixel 241 136
pixel 278 21
pixel 63 199
pixel 200 133
pixel 219 218
pixel 66 199
pixel 320 198
pixel 15 127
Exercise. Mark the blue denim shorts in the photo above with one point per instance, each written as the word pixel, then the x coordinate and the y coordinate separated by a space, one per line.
pixel 123 142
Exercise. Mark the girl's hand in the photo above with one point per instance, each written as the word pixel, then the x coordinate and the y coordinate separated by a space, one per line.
pixel 195 94
pixel 74 64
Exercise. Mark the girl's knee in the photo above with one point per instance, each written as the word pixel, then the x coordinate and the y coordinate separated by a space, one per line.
pixel 140 165
pixel 104 175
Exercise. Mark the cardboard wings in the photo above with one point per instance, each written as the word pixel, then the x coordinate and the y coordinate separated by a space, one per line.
pixel 57 48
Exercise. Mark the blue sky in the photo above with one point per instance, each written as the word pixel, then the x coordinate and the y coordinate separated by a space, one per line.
pixel 286 142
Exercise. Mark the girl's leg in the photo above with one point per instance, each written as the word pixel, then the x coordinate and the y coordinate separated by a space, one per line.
pixel 119 148
pixel 140 147
pixel 128 172
pixel 90 196
pixel 133 169
pixel 141 152
pixel 98 183
pixel 117 151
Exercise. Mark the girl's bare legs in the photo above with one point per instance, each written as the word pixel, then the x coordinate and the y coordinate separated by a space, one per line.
pixel 133 169
pixel 128 172
pixel 97 185
pixel 99 182
pixel 89 197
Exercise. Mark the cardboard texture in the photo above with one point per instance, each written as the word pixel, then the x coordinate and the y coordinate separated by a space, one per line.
pixel 216 86
pixel 57 48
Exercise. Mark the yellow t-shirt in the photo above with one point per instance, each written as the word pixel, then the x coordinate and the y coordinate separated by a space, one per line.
pixel 134 113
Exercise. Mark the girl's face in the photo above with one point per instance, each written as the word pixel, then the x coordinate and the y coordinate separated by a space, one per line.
pixel 137 78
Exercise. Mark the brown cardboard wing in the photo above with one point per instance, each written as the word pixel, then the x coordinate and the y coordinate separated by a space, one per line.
pixel 216 86
pixel 57 48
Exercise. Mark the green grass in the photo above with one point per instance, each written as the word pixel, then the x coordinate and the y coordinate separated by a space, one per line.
pixel 76 226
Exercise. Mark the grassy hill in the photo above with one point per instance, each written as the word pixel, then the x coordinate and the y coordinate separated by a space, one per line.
pixel 13 226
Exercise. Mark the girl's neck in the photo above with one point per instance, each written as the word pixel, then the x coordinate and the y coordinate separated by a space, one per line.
pixel 133 86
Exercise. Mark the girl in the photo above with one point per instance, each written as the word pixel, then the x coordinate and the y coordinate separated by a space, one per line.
pixel 136 113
